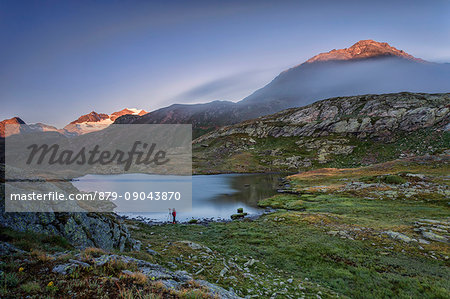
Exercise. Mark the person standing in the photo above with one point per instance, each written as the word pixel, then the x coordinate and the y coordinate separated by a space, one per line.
pixel 174 215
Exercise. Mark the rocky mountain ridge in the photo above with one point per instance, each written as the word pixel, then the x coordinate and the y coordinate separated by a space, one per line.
pixel 91 117
pixel 98 117
pixel 98 121
pixel 90 122
pixel 374 116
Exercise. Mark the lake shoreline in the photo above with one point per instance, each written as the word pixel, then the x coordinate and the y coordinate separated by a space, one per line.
pixel 200 221
pixel 215 198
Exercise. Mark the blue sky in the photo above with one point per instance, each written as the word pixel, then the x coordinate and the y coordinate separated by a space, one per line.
pixel 61 59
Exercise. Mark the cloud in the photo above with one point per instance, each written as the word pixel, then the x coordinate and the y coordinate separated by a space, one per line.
pixel 231 88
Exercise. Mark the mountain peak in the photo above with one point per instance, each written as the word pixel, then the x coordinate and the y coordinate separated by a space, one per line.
pixel 98 121
pixel 12 121
pixel 91 117
pixel 127 111
pixel 15 120
pixel 361 50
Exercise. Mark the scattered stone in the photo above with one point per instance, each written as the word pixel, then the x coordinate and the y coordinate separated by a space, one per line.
pixel 430 221
pixel 80 263
pixel 218 291
pixel 196 246
pixel 434 237
pixel 200 271
pixel 279 219
pixel 399 236
pixel 65 269
pixel 223 272
pixel 136 246
pixel 250 263
pixel 152 252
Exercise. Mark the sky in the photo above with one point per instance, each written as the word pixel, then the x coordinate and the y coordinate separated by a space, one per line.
pixel 62 59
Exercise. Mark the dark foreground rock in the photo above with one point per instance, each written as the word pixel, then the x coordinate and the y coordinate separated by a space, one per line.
pixel 80 229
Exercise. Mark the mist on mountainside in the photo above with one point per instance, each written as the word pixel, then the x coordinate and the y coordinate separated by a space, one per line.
pixel 310 82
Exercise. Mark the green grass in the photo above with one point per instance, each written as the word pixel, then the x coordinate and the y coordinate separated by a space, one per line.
pixel 293 248
pixel 30 240
pixel 9 280
pixel 388 179
pixel 31 287
pixel 335 239
pixel 283 201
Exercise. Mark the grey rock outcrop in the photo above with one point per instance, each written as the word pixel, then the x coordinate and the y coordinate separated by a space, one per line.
pixel 337 132
pixel 80 229
pixel 7 249
pixel 375 116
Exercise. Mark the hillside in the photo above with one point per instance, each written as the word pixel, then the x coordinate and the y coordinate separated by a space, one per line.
pixel 337 132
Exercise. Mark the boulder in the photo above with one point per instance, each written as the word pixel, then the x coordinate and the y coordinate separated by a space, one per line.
pixel 399 236
pixel 434 237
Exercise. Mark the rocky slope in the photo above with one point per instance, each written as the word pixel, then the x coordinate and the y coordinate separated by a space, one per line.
pixel 91 273
pixel 79 229
pixel 40 127
pixel 366 67
pixel 82 230
pixel 337 132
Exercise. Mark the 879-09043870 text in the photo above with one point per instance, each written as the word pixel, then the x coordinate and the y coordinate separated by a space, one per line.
pixel 97 195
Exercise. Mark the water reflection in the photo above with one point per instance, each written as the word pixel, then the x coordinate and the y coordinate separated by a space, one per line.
pixel 219 196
